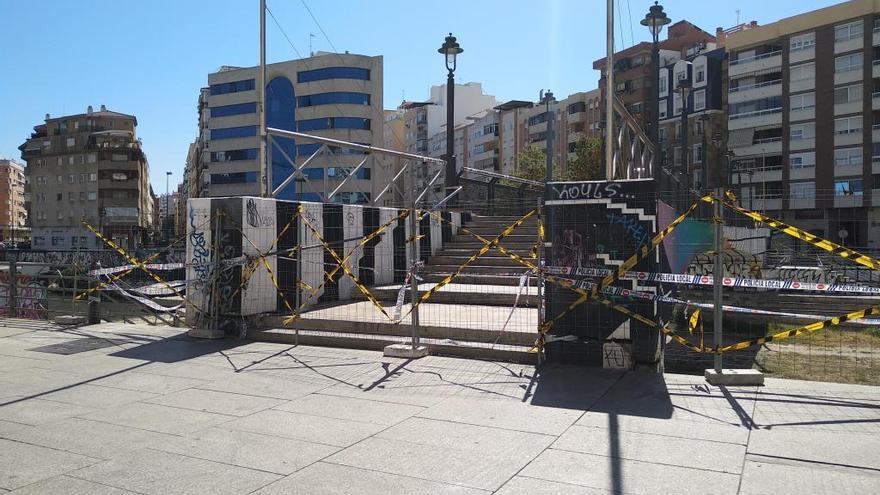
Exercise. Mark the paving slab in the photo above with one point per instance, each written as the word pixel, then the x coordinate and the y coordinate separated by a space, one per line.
pixel 763 478
pixel 474 456
pixel 22 464
pixel 146 382
pixel 155 417
pixel 353 409
pixel 316 429
pixel 671 427
pixel 153 472
pixel 519 485
pixel 258 385
pixel 216 402
pixel 511 415
pixel 699 454
pixel 97 397
pixel 39 411
pixel 249 450
pixel 348 480
pixel 626 476
pixel 69 486
pixel 89 438
pixel 846 449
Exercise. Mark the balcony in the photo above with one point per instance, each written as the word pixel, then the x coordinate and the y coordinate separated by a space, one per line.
pixel 801 55
pixel 802 173
pixel 757 118
pixel 875 68
pixel 850 76
pixel 875 167
pixel 802 144
pixel 849 107
pixel 760 146
pixel 875 37
pixel 875 133
pixel 875 100
pixel 756 91
pixel 847 170
pixel 769 202
pixel 854 136
pixel 849 45
pixel 801 203
pixel 757 62
pixel 848 201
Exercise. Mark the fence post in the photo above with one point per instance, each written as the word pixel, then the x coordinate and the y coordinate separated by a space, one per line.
pixel 540 263
pixel 717 275
pixel 413 259
pixel 13 289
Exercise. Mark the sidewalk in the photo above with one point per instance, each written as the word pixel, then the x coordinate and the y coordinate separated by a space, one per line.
pixel 115 408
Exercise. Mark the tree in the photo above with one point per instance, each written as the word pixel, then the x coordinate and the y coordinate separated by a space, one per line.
pixel 531 164
pixel 587 163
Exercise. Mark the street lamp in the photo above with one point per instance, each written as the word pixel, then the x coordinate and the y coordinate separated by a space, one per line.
pixel 547 98
pixel 654 20
pixel 450 49
pixel 684 89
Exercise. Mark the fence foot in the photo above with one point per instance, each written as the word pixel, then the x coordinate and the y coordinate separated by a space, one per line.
pixel 405 351
pixel 734 377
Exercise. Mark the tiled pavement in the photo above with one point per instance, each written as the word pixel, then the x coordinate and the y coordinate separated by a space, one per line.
pixel 157 413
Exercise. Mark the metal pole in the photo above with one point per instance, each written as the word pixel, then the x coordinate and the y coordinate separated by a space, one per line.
pixel 717 276
pixel 451 172
pixel 548 174
pixel 684 151
pixel 413 259
pixel 265 186
pixel 540 281
pixel 654 108
pixel 609 91
pixel 13 289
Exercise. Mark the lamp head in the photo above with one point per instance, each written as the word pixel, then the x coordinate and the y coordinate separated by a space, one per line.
pixel 450 49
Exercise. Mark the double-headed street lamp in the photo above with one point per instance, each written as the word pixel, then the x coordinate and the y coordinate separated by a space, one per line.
pixel 450 49
pixel 654 20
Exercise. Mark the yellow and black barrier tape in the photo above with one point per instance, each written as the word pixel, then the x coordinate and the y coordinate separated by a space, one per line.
pixel 344 265
pixel 819 242
pixel 614 276
pixel 501 249
pixel 483 250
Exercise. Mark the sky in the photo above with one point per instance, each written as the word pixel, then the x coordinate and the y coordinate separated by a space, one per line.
pixel 149 58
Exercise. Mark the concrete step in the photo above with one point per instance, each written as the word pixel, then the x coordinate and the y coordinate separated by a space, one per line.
pixel 476 267
pixel 460 293
pixel 440 347
pixel 482 260
pixel 492 253
pixel 472 278
pixel 494 230
pixel 516 235
pixel 476 244
pixel 501 219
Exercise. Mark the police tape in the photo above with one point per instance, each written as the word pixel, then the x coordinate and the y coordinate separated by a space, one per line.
pixel 643 252
pixel 824 244
pixel 344 265
pixel 483 250
pixel 411 277
pixel 540 240
pixel 151 266
pixel 139 264
pixel 523 281
pixel 742 282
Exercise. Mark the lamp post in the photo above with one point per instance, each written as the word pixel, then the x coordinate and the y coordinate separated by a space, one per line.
pixel 547 99
pixel 450 49
pixel 684 90
pixel 654 20
pixel 167 202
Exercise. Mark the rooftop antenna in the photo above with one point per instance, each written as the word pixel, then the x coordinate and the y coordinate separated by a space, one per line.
pixel 311 53
pixel 737 17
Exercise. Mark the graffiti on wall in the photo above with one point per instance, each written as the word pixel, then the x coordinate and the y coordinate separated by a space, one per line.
pixel 88 258
pixel 31 299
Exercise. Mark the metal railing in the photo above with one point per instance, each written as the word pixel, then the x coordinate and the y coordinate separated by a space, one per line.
pixel 756 85
pixel 755 57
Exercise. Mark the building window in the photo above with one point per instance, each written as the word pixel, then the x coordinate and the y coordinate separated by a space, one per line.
pixel 93 177
pixel 71 179
pixel 237 109
pixel 803 101
pixel 92 158
pixel 313 173
pixel 848 94
pixel 93 195
pixel 338 97
pixel 71 142
pixel 232 87
pixel 848 187
pixel 334 123
pixel 802 41
pixel 661 111
pixel 234 155
pixel 333 73
pixel 577 107
pixel 234 132
pixel 342 172
pixel 848 31
pixel 698 153
pixel 802 190
pixel 847 156
pixel 848 125
pixel 803 72
pixel 662 84
pixel 847 63
pixel 699 100
pixel 662 134
pixel 802 160
pixel 803 131
pixel 234 178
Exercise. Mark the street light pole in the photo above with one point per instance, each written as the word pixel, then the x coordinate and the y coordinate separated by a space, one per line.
pixel 167 201
pixel 546 99
pixel 684 89
pixel 450 49
pixel 654 20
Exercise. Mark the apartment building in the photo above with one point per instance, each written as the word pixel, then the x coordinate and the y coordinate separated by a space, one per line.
pixel 512 137
pixel 87 167
pixel 13 214
pixel 632 68
pixel 335 95
pixel 701 164
pixel 804 120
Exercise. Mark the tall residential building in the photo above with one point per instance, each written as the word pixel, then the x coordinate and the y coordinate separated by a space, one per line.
pixel 632 68
pixel 13 215
pixel 333 95
pixel 706 128
pixel 804 117
pixel 87 167
pixel 512 136
pixel 424 119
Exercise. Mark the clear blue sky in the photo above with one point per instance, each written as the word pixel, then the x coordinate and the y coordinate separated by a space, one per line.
pixel 149 58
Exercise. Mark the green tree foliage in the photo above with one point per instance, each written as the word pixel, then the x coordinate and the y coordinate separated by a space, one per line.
pixel 531 164
pixel 587 162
